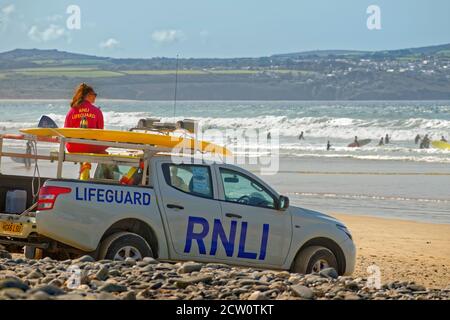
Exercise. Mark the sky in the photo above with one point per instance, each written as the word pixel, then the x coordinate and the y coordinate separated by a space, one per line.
pixel 220 28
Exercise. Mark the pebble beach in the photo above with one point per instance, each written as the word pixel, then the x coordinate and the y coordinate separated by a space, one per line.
pixel 48 279
pixel 413 259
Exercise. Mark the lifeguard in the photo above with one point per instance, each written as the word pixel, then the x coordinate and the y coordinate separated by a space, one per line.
pixel 84 114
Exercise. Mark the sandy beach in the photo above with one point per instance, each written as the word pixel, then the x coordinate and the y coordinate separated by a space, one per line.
pixel 404 250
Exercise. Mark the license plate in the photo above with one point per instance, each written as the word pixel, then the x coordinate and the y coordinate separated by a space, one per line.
pixel 12 227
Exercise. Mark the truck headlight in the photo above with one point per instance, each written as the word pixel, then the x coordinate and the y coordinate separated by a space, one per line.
pixel 345 230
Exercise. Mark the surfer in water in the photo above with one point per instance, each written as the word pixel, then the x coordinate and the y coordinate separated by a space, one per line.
pixel 425 144
pixel 328 145
pixel 417 139
pixel 381 143
pixel 269 136
pixel 443 139
pixel 356 141
pixel 386 139
pixel 301 137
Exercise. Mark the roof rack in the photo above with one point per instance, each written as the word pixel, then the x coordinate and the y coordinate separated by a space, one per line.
pixel 145 152
pixel 155 124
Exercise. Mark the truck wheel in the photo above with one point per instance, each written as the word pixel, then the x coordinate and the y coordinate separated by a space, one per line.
pixel 29 252
pixel 122 245
pixel 314 259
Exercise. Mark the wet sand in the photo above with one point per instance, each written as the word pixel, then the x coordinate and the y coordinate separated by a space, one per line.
pixel 404 250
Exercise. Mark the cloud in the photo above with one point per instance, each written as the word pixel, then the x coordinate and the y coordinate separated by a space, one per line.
pixel 167 36
pixel 109 44
pixel 9 9
pixel 5 14
pixel 52 32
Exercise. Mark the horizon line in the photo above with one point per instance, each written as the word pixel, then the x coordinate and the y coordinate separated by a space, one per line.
pixel 234 57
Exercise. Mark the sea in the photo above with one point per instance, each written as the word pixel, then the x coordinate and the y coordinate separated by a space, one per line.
pixel 395 180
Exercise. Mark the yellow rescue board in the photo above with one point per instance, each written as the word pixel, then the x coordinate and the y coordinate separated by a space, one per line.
pixel 129 137
pixel 441 145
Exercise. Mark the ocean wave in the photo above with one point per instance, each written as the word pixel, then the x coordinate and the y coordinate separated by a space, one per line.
pixel 314 127
pixel 363 124
pixel 365 197
pixel 376 157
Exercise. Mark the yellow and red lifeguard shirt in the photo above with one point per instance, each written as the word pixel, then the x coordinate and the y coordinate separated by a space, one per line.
pixel 94 118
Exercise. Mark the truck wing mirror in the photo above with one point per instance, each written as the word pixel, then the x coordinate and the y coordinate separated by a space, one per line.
pixel 283 203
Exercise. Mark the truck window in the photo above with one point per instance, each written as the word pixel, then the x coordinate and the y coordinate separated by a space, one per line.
pixel 193 179
pixel 244 190
pixel 116 173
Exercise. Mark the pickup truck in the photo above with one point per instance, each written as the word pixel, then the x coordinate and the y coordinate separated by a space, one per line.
pixel 206 212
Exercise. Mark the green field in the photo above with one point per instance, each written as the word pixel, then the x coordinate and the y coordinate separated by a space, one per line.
pixel 162 72
pixel 92 72
pixel 70 72
pixel 212 71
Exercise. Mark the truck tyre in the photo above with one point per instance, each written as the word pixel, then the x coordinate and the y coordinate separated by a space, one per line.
pixel 122 245
pixel 29 252
pixel 314 259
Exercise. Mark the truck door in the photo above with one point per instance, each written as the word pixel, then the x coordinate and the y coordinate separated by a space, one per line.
pixel 188 200
pixel 262 233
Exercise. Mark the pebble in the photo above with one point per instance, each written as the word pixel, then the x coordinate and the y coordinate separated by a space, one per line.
pixel 130 295
pixel 416 287
pixel 85 258
pixel 189 267
pixel 113 287
pixel 183 283
pixel 48 289
pixel 150 260
pixel 351 285
pixel 351 296
pixel 102 274
pixel 40 295
pixel 257 295
pixel 5 255
pixel 47 279
pixel 13 283
pixel 36 274
pixel 70 296
pixel 130 261
pixel 329 273
pixel 302 291
pixel 12 293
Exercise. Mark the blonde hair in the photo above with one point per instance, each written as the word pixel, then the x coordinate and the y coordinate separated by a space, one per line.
pixel 81 91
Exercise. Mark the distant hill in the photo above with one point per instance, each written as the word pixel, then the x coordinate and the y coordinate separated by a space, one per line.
pixel 321 53
pixel 37 54
pixel 409 74
pixel 430 50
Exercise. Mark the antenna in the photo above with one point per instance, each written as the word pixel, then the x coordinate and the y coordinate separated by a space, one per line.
pixel 175 94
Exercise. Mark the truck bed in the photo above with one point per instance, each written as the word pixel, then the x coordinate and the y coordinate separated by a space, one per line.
pixel 11 182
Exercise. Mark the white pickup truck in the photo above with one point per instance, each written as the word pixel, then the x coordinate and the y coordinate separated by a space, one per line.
pixel 207 212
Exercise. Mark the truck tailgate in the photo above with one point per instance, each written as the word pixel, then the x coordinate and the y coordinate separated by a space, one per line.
pixel 81 217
